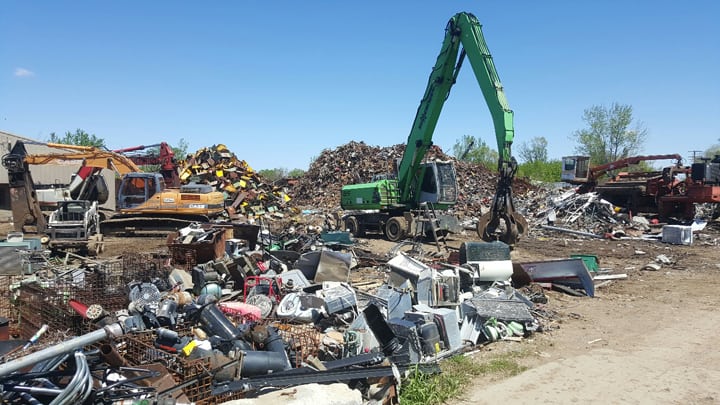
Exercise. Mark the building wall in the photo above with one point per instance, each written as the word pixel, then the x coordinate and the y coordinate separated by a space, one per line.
pixel 45 175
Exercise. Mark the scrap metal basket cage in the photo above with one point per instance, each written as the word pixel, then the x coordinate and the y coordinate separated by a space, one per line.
pixel 183 258
pixel 138 349
pixel 47 301
pixel 145 266
pixel 303 340
pixel 8 298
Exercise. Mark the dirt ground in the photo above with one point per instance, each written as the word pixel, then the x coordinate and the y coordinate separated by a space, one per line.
pixel 645 339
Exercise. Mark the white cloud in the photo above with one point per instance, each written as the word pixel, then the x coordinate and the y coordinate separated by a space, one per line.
pixel 22 72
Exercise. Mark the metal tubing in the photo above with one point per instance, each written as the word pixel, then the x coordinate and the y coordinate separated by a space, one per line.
pixel 33 390
pixel 110 355
pixel 574 232
pixel 71 345
pixel 70 393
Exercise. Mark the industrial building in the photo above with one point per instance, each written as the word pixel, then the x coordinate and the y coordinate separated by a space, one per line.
pixel 44 176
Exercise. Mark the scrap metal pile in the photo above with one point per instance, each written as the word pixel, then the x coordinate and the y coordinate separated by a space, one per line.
pixel 553 210
pixel 241 311
pixel 357 162
pixel 582 212
pixel 246 193
pixel 250 197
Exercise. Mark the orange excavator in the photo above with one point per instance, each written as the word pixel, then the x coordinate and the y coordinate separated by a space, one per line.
pixel 143 202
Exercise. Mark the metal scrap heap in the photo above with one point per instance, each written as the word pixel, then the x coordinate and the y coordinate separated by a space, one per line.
pixel 357 162
pixel 247 193
pixel 254 310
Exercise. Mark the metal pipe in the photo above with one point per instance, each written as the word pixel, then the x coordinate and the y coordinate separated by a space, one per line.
pixel 86 384
pixel 588 234
pixel 33 390
pixel 112 330
pixel 69 394
pixel 110 355
pixel 80 386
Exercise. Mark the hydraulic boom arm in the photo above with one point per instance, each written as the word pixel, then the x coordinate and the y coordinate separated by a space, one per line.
pixel 464 29
pixel 589 180
pixel 597 171
pixel 501 222
pixel 164 157
pixel 92 156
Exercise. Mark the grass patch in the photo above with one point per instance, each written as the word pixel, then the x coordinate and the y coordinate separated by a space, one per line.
pixel 420 388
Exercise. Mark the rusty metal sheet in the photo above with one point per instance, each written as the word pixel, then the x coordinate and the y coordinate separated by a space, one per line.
pixel 570 272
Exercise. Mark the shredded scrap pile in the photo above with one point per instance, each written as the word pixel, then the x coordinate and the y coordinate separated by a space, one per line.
pixel 245 191
pixel 357 162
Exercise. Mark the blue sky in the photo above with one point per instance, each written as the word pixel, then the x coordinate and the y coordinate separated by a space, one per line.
pixel 278 82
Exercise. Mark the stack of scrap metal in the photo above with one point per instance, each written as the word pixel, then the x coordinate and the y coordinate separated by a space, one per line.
pixel 477 185
pixel 357 162
pixel 246 192
pixel 354 162
pixel 253 317
pixel 560 208
pixel 563 209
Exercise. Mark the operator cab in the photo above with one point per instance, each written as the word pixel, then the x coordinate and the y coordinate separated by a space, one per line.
pixel 136 188
pixel 575 169
pixel 72 210
pixel 439 185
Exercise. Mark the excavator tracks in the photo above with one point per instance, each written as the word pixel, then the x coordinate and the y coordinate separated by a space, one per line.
pixel 134 225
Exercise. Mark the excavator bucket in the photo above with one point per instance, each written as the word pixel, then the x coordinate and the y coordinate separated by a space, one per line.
pixel 502 222
pixel 505 227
